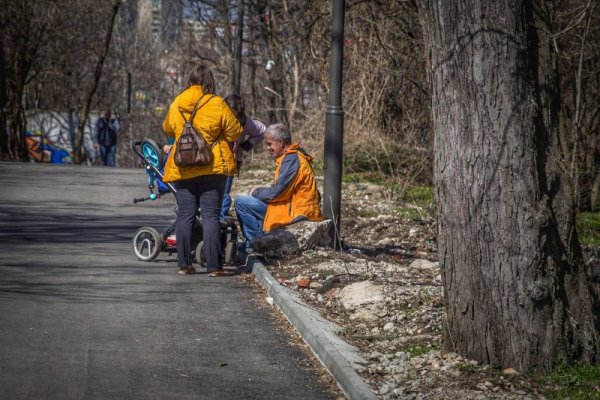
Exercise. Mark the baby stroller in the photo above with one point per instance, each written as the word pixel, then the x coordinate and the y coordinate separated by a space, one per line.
pixel 147 242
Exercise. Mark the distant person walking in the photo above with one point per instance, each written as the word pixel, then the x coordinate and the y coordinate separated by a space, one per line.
pixel 105 137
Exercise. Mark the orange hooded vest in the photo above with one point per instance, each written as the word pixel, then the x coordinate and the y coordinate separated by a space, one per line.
pixel 300 198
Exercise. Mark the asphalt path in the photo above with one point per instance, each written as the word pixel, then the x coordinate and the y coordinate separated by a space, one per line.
pixel 82 318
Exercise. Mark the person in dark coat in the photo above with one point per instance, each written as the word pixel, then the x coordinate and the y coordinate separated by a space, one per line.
pixel 105 137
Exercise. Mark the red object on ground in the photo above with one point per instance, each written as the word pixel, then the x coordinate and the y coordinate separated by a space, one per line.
pixel 171 241
pixel 303 282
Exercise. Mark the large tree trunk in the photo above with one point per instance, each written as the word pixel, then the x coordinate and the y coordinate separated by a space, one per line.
pixel 516 290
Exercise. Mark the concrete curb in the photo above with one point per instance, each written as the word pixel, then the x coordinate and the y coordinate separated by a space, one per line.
pixel 340 368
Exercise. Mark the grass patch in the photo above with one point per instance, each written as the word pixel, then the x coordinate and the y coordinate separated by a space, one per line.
pixel 588 227
pixel 411 212
pixel 363 176
pixel 467 368
pixel 418 201
pixel 416 351
pixel 421 196
pixel 388 162
pixel 367 213
pixel 574 382
pixel 318 166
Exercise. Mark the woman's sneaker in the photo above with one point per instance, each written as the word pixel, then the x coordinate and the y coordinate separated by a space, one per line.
pixel 187 270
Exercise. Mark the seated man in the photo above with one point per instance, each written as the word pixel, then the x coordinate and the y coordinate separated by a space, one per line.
pixel 293 197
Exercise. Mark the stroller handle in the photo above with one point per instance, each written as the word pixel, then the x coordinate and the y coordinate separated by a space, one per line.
pixel 136 146
pixel 152 196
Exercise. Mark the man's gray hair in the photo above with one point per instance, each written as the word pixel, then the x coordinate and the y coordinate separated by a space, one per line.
pixel 280 131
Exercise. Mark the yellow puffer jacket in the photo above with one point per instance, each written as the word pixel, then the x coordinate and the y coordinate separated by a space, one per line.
pixel 214 121
pixel 300 198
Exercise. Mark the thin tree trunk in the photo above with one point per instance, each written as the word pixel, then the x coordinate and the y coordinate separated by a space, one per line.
pixel 253 87
pixel 295 93
pixel 17 119
pixel 84 112
pixel 237 56
pixel 514 278
pixel 24 37
pixel 579 111
pixel 4 152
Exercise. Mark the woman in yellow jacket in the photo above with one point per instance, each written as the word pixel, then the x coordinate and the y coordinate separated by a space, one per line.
pixel 201 186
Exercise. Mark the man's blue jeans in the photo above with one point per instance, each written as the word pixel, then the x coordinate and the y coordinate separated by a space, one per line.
pixel 250 212
pixel 107 154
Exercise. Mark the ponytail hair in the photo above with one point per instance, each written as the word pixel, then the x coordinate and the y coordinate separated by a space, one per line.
pixel 202 76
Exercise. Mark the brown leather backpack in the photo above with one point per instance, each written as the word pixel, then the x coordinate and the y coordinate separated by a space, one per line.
pixel 191 148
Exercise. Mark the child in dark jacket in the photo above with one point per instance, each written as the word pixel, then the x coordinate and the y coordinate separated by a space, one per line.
pixel 253 133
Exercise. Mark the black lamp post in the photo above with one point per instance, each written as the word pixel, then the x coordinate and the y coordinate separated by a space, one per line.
pixel 334 127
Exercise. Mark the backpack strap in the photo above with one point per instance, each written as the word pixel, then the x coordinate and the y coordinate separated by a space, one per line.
pixel 197 106
pixel 193 114
pixel 181 111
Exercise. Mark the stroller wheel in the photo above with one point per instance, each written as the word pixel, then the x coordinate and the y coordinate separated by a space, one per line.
pixel 200 255
pixel 147 243
pixel 231 243
pixel 152 152
pixel 230 252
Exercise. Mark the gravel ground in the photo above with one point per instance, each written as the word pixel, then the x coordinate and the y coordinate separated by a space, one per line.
pixel 397 324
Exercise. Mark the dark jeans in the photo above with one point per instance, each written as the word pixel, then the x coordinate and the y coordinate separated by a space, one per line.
pixel 107 154
pixel 205 192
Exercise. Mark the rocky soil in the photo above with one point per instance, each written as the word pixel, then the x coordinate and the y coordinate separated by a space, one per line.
pixel 385 291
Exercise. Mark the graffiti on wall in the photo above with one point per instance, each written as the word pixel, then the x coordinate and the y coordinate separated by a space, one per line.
pixel 50 137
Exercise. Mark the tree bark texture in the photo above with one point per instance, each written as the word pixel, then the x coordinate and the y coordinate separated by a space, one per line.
pixel 515 284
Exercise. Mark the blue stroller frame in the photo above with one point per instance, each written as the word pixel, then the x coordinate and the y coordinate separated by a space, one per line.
pixel 147 242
